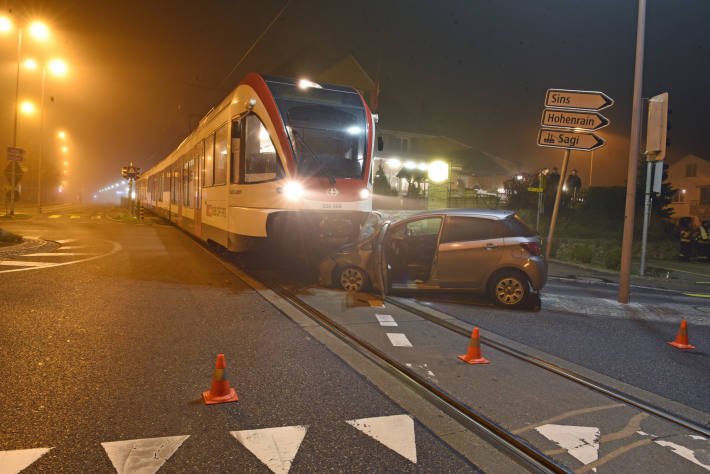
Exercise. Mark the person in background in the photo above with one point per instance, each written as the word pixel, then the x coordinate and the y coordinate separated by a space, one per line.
pixel 686 241
pixel 702 241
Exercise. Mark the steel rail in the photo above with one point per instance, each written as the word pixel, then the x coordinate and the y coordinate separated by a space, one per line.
pixel 517 448
pixel 568 374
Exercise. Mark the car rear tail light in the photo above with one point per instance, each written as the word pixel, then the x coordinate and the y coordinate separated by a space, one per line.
pixel 533 248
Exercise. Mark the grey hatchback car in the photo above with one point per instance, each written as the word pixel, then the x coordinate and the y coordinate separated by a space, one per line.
pixel 480 250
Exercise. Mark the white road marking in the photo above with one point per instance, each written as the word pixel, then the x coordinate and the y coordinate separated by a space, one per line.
pixel 700 438
pixel 65 241
pixel 21 263
pixel 683 452
pixel 12 462
pixel 39 265
pixel 74 217
pixel 275 447
pixel 396 432
pixel 142 456
pixel 385 320
pixel 72 247
pixel 581 442
pixel 55 216
pixel 398 339
pixel 31 237
pixel 54 254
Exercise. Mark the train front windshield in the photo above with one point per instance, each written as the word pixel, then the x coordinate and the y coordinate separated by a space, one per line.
pixel 327 129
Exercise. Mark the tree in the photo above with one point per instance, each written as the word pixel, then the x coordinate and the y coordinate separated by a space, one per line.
pixel 380 184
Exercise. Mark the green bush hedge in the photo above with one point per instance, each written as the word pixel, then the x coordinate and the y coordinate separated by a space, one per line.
pixel 612 259
pixel 582 253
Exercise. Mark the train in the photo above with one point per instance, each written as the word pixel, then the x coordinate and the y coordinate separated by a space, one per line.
pixel 278 159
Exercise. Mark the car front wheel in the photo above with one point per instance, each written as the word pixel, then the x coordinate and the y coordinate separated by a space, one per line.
pixel 352 279
pixel 509 289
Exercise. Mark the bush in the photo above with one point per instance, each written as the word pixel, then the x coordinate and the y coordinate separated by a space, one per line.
pixel 582 253
pixel 555 248
pixel 612 259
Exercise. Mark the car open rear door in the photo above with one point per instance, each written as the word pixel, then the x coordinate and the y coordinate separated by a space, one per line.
pixel 380 282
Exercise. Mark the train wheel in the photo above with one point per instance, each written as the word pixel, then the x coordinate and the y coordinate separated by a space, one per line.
pixel 353 279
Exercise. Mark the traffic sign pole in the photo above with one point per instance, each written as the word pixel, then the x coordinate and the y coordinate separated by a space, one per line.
pixel 551 233
pixel 12 189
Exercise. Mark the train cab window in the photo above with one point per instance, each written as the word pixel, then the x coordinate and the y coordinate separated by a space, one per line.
pixel 261 162
pixel 220 156
pixel 208 164
pixel 236 145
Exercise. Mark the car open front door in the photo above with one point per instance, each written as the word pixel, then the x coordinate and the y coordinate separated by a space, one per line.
pixel 380 282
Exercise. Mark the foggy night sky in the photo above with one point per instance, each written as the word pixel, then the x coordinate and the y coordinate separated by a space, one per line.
pixel 473 70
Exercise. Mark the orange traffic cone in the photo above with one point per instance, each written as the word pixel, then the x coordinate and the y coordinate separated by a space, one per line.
pixel 681 340
pixel 220 392
pixel 473 355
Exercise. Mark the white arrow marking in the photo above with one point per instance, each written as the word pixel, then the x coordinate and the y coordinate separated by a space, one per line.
pixel 396 432
pixel 399 339
pixel 12 462
pixel 65 241
pixel 142 456
pixel 684 452
pixel 581 442
pixel 275 447
pixel 385 320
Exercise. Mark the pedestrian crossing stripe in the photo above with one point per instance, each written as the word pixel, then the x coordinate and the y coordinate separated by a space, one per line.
pixel 17 460
pixel 145 456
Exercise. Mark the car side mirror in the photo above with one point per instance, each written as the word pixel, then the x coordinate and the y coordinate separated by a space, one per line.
pixel 380 143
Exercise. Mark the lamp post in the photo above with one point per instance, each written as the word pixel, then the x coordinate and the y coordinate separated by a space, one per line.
pixel 40 32
pixel 58 68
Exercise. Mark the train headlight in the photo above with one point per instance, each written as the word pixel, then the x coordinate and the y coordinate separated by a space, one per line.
pixel 364 193
pixel 293 190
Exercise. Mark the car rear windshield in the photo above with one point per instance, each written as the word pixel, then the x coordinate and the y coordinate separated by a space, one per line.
pixel 518 228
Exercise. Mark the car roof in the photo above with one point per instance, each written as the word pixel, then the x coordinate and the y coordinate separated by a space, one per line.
pixel 496 214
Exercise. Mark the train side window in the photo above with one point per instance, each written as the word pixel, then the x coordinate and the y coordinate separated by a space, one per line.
pixel 220 155
pixel 199 162
pixel 236 145
pixel 261 162
pixel 186 182
pixel 208 164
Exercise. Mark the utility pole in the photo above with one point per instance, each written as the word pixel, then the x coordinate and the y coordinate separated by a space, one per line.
pixel 634 151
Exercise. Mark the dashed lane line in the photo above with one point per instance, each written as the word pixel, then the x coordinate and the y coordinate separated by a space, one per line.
pixel 74 217
pixel 55 216
pixel 386 320
pixel 398 339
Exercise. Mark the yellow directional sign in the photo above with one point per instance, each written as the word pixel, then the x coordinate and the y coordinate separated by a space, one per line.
pixel 570 99
pixel 536 190
pixel 569 140
pixel 558 118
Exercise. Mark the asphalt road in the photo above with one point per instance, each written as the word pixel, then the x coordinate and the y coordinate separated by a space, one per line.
pixel 119 344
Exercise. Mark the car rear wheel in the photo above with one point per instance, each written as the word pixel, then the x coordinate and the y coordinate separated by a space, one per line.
pixel 353 279
pixel 509 289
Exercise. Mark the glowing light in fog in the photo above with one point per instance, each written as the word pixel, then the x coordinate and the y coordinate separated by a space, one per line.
pixel 422 166
pixel 364 193
pixel 519 177
pixel 354 130
pixel 438 171
pixel 501 190
pixel 293 190
pixel 393 163
pixel 410 165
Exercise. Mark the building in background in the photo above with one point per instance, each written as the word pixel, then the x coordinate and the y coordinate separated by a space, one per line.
pixel 691 177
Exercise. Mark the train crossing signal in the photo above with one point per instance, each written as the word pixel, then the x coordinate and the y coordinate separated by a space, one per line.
pixel 657 128
pixel 130 172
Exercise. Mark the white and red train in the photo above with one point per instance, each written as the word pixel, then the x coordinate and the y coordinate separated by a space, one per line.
pixel 276 153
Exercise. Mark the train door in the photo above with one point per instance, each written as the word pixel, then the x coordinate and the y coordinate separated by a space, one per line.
pixel 198 154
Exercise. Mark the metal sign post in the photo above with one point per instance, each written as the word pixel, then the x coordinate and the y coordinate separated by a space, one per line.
pixel 13 155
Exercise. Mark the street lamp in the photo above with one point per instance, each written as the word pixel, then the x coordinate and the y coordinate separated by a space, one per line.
pixel 38 31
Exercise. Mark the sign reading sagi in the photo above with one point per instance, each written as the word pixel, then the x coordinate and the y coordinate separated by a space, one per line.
pixel 571 99
pixel 569 140
pixel 558 118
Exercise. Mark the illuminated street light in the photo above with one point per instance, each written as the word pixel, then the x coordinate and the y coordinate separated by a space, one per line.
pixel 393 163
pixel 519 177
pixel 39 30
pixel 27 107
pixel 5 25
pixel 66 163
pixel 62 135
pixel 58 67
pixel 30 64
pixel 65 149
pixel 438 171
